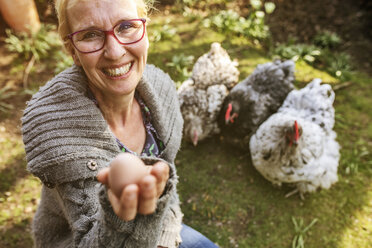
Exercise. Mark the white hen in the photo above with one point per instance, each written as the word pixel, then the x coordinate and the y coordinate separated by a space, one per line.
pixel 200 109
pixel 297 144
pixel 215 67
pixel 202 95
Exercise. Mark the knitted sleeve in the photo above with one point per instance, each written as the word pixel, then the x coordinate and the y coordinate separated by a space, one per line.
pixel 171 234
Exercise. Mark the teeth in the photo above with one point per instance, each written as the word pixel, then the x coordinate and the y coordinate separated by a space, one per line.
pixel 117 72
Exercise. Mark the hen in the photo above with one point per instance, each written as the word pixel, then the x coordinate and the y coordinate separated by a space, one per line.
pixel 297 144
pixel 254 99
pixel 200 110
pixel 202 95
pixel 215 67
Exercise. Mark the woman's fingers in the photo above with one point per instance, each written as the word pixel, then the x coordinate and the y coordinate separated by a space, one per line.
pixel 102 175
pixel 161 171
pixel 129 202
pixel 125 207
pixel 147 197
pixel 115 203
pixel 148 168
pixel 138 197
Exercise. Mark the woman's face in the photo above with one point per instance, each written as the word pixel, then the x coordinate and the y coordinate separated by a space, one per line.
pixel 101 66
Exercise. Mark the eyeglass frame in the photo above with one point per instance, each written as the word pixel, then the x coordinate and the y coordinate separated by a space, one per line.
pixel 106 32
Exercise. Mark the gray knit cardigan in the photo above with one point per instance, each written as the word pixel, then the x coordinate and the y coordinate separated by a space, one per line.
pixel 67 141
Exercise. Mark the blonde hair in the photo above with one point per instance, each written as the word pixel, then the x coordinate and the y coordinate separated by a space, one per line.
pixel 143 7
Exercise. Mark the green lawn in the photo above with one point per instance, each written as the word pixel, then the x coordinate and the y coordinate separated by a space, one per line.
pixel 222 195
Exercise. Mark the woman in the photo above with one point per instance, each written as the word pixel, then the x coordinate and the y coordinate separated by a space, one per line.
pixel 77 125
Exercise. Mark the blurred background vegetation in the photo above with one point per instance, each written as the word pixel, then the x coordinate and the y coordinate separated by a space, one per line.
pixel 222 195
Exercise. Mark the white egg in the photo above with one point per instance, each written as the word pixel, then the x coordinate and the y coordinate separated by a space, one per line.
pixel 125 169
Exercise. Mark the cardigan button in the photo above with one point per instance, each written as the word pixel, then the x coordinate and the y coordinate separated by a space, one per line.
pixel 92 165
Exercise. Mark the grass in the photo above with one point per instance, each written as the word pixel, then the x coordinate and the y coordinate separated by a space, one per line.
pixel 222 195
pixel 19 191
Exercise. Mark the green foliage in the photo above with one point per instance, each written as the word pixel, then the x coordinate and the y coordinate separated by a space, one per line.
pixel 300 231
pixel 226 21
pixel 188 2
pixel 319 54
pixel 337 64
pixel 307 53
pixel 200 4
pixel 63 61
pixel 327 39
pixel 43 47
pixel 165 32
pixel 357 158
pixel 5 93
pixel 181 63
pixel 269 7
pixel 230 22
pixel 37 44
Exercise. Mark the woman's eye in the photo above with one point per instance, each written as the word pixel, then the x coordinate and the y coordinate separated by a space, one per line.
pixel 91 35
pixel 125 26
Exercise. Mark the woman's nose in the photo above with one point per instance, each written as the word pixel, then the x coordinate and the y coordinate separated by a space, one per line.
pixel 113 49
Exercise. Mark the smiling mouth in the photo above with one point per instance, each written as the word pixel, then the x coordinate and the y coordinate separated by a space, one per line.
pixel 117 72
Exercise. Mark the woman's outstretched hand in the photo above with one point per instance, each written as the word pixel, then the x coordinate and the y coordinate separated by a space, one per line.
pixel 133 187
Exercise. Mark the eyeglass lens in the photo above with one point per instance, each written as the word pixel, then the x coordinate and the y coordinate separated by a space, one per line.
pixel 125 32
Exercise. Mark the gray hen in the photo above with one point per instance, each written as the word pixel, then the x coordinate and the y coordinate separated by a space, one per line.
pixel 254 99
